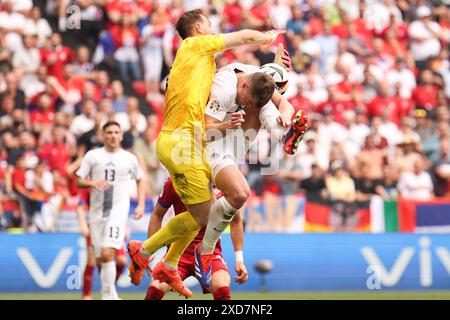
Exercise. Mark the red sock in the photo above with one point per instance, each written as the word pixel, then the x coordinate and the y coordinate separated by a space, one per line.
pixel 87 280
pixel 119 269
pixel 154 293
pixel 222 293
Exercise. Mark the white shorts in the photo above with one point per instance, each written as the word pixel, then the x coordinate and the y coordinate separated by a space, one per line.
pixel 221 154
pixel 219 162
pixel 107 234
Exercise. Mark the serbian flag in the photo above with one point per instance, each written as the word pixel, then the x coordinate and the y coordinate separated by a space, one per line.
pixel 407 215
pixel 317 217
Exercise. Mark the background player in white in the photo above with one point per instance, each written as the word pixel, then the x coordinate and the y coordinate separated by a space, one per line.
pixel 109 172
pixel 231 106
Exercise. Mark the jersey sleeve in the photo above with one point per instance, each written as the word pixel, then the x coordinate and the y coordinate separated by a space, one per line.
pixel 166 198
pixel 86 166
pixel 137 172
pixel 209 44
pixel 221 99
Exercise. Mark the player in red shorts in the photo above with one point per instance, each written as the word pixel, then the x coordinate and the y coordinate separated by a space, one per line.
pixel 220 276
pixel 91 262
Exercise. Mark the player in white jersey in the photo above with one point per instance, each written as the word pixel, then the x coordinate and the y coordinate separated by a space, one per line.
pixel 109 172
pixel 225 115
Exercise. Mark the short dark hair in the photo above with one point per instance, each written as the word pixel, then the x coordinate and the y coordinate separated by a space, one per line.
pixel 262 87
pixel 109 124
pixel 186 21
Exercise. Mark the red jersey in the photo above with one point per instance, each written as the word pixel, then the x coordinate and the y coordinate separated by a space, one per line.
pixel 43 117
pixel 55 59
pixel 233 12
pixel 169 197
pixel 425 96
pixel 301 103
pixel 57 156
pixel 18 177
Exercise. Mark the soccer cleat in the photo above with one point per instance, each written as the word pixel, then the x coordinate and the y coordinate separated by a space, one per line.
pixel 296 133
pixel 203 267
pixel 138 263
pixel 87 297
pixel 172 278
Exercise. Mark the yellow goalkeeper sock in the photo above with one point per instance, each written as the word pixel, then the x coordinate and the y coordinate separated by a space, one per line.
pixel 178 227
pixel 177 248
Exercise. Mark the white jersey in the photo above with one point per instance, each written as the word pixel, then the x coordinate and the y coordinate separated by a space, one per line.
pixel 222 103
pixel 120 169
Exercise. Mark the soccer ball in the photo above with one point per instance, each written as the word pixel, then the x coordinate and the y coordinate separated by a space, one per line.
pixel 279 75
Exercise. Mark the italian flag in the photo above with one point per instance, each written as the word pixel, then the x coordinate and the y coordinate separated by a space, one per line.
pixel 406 215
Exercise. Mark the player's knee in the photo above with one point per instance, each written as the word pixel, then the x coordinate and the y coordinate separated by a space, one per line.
pixel 219 279
pixel 121 260
pixel 239 196
pixel 107 254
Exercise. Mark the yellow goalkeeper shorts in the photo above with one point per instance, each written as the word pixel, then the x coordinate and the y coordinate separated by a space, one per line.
pixel 187 164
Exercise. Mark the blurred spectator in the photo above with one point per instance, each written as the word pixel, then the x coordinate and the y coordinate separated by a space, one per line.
pixel 117 96
pixel 424 35
pixel 132 133
pixel 37 26
pixel 416 184
pixel 55 55
pixel 13 90
pixel 43 117
pixel 22 184
pixel 400 74
pixel 123 118
pixel 268 184
pixel 27 61
pixel 290 173
pixel 299 101
pixel 92 139
pixel 370 160
pixel 56 154
pixel 387 187
pixel 441 170
pixel 328 44
pixel 365 185
pixel 424 95
pixel 341 190
pixel 145 150
pixel 126 40
pixel 86 120
pixel 296 23
pixel 82 65
pixel 280 14
pixel 151 48
pixel 314 186
pixel 12 22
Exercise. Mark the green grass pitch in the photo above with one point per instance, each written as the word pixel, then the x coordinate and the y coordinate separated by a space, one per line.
pixel 376 295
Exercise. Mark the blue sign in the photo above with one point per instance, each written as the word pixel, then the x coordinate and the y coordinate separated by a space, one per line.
pixel 301 262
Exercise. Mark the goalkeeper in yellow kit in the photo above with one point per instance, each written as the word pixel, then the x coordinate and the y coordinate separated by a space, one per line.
pixel 180 142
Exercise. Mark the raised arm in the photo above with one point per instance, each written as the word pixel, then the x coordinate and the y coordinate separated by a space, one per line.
pixel 285 107
pixel 246 36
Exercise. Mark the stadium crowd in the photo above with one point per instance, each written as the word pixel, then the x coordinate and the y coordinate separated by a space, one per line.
pixel 374 76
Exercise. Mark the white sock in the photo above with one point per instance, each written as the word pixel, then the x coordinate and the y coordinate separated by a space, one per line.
pixel 108 279
pixel 219 218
